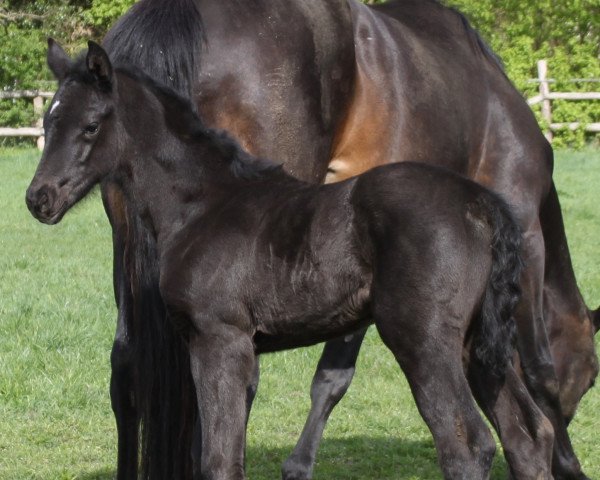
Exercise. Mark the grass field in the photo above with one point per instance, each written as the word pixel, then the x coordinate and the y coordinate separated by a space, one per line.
pixel 57 319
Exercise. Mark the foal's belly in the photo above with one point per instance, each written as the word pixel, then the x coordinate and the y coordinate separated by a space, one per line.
pixel 309 321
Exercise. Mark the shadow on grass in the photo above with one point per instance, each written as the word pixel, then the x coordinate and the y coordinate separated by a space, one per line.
pixel 104 474
pixel 350 458
pixel 359 457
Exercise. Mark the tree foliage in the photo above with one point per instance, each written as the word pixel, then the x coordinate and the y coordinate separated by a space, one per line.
pixel 566 32
pixel 24 29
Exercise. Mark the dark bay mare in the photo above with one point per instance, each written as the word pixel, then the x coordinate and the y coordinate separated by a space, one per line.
pixel 332 88
pixel 252 260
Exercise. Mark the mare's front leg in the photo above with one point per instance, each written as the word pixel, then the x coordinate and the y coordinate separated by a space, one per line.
pixel 331 381
pixel 122 380
pixel 223 366
pixel 535 356
pixel 525 433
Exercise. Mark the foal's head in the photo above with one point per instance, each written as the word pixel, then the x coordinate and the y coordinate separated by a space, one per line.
pixel 81 133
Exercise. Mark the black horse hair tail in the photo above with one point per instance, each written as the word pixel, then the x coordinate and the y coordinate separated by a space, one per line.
pixel 494 334
pixel 164 389
pixel 164 40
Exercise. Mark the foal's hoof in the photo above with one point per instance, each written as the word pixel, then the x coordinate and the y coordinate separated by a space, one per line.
pixel 572 476
pixel 293 470
pixel 294 476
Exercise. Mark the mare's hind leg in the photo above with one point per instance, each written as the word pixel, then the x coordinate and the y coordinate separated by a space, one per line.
pixel 526 434
pixel 123 403
pixel 122 380
pixel 331 381
pixel 428 350
pixel 536 359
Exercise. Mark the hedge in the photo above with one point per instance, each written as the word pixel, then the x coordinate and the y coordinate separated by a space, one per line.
pixel 565 32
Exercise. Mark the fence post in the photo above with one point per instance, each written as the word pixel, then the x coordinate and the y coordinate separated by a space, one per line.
pixel 38 110
pixel 542 67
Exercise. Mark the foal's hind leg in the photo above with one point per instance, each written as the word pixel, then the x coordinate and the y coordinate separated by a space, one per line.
pixel 331 381
pixel 526 434
pixel 429 353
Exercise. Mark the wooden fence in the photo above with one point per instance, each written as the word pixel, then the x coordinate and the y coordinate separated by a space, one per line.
pixel 545 97
pixel 38 109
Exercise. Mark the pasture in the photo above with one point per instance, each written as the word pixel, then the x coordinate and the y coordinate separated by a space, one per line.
pixel 57 319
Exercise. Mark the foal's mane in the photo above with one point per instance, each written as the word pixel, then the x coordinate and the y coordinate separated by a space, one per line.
pixel 181 117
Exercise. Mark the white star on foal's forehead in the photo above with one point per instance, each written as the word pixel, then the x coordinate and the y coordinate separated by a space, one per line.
pixel 54 105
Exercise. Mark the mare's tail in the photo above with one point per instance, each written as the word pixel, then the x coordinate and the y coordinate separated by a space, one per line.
pixel 164 40
pixel 164 392
pixel 495 332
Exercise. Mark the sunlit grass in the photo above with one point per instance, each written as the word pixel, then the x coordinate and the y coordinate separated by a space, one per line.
pixel 57 320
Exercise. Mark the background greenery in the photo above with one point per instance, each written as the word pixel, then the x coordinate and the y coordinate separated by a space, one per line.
pixel 566 32
pixel 57 320
pixel 57 311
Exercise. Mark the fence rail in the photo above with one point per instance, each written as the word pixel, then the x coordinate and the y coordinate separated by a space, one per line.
pixel 25 94
pixel 545 97
pixel 37 131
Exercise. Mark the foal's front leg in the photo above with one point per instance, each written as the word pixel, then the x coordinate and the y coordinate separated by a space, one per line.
pixel 222 363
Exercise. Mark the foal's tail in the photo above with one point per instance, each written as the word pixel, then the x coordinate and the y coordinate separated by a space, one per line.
pixel 494 333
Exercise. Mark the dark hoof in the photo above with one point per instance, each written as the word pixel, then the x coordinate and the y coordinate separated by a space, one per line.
pixel 572 476
pixel 292 470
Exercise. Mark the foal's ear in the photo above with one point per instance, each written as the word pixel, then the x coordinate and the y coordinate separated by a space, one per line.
pixel 98 63
pixel 58 61
pixel 597 319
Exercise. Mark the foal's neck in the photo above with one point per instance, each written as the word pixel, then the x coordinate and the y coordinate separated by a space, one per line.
pixel 169 176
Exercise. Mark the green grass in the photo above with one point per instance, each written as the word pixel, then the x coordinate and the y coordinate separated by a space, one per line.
pixel 57 320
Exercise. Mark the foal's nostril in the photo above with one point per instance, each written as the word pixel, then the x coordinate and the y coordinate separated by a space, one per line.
pixel 38 200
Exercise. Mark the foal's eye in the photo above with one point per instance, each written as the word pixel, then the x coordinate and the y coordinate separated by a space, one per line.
pixel 91 129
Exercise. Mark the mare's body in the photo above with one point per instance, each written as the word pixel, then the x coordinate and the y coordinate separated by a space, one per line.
pixel 331 89
pixel 253 260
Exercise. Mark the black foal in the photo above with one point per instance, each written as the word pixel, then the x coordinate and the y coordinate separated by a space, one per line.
pixel 253 261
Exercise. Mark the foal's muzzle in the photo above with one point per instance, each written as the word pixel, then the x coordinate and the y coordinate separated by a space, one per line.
pixel 42 203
